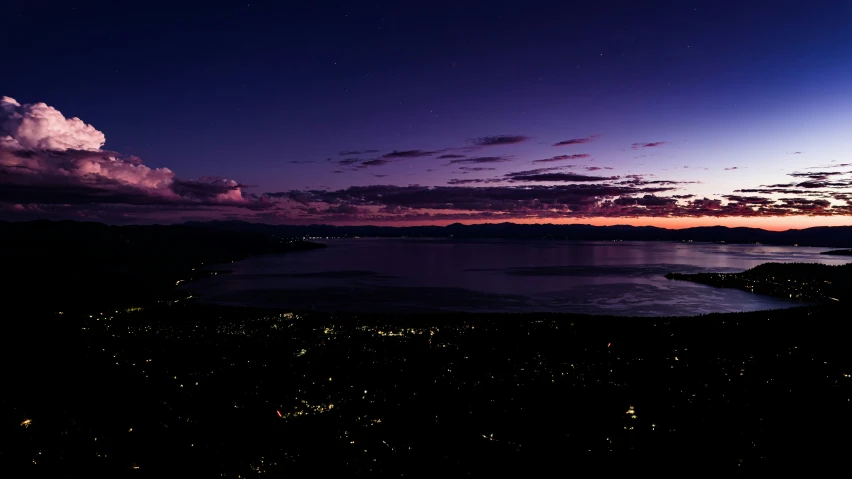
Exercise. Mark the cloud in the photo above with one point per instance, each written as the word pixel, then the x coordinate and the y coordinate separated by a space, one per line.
pixel 341 210
pixel 563 158
pixel 499 140
pixel 576 141
pixel 457 181
pixel 554 174
pixel 376 162
pixel 51 166
pixel 207 189
pixel 536 171
pixel 836 165
pixel 480 160
pixel 487 198
pixel 639 180
pixel 706 205
pixel 818 175
pixel 42 127
pixel 349 161
pixel 396 155
pixel 805 204
pixel 732 168
pixel 481 199
pixel 410 154
pixel 647 200
pixel 825 184
pixel 751 200
pixel 47 158
pixel 653 144
pixel 561 177
pixel 298 196
pixel 362 163
pixel 770 191
pixel 302 162
pixel 357 152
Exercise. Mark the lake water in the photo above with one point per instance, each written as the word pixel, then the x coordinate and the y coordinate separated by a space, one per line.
pixel 422 275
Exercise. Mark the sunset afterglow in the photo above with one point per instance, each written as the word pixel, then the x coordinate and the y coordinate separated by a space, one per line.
pixel 724 120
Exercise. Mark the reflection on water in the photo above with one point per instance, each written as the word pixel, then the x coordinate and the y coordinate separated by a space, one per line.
pixel 623 278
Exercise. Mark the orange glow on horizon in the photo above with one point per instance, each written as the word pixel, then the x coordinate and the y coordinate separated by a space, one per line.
pixel 766 223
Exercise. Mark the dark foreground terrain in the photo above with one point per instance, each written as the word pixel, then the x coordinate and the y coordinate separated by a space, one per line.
pixel 201 391
pixel 147 383
pixel 70 266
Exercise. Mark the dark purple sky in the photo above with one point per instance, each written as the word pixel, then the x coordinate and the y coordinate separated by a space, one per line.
pixel 598 112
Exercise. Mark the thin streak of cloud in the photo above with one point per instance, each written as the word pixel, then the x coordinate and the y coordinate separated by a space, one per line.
pixel 576 141
pixel 652 144
pixel 552 159
pixel 499 140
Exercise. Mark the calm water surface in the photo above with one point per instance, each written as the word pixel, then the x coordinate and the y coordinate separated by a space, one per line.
pixel 624 278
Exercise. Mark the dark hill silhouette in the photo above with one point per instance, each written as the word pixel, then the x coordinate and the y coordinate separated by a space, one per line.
pixel 828 236
pixel 67 264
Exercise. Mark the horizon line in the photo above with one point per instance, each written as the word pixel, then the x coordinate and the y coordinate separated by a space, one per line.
pixel 399 226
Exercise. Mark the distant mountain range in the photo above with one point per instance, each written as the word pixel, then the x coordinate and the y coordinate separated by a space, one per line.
pixel 828 236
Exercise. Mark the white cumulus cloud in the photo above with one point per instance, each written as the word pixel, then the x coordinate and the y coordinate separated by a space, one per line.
pixel 42 127
pixel 43 153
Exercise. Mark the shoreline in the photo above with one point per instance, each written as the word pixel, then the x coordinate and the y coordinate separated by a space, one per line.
pixel 803 281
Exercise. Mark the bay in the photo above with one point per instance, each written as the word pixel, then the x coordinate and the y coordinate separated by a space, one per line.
pixel 432 275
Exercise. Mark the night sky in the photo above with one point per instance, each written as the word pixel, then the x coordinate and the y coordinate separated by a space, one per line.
pixel 663 113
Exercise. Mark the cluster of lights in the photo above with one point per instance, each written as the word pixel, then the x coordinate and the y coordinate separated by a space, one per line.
pixel 309 409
